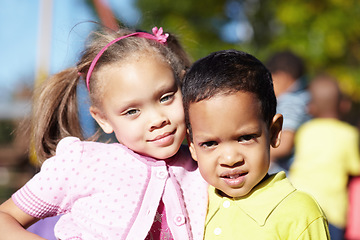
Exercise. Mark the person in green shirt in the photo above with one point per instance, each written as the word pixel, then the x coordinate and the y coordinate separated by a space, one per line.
pixel 230 112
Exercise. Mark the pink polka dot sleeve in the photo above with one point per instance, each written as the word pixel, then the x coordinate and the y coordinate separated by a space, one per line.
pixel 48 193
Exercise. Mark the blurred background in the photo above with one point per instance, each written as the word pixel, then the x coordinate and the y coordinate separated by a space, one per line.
pixel 41 37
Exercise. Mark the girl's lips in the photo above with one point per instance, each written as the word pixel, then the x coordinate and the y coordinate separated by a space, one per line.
pixel 157 138
pixel 164 139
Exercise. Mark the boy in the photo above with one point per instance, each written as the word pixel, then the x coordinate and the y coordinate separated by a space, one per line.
pixel 230 109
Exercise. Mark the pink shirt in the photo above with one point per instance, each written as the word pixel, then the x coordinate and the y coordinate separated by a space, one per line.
pixel 107 191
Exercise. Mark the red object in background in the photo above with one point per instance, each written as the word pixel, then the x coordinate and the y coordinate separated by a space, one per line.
pixel 105 14
pixel 353 219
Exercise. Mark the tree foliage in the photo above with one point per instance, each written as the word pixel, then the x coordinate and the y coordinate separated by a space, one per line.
pixel 324 32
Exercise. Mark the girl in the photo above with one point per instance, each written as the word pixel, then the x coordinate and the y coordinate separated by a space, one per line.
pixel 144 187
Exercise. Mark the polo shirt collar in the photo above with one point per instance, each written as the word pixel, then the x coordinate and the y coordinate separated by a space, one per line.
pixel 260 202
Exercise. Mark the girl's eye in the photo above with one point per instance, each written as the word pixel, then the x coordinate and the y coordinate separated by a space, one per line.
pixel 208 144
pixel 246 138
pixel 167 98
pixel 131 112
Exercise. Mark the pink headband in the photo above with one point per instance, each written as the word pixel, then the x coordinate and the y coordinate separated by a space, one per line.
pixel 157 36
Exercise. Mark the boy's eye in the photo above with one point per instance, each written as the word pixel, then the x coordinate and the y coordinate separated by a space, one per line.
pixel 167 97
pixel 246 138
pixel 208 144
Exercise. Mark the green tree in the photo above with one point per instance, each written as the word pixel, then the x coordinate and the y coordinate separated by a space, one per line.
pixel 196 22
pixel 325 32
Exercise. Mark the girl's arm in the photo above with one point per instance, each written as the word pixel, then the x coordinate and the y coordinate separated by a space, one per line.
pixel 13 222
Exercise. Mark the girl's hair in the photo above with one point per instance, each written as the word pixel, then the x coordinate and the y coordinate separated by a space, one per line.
pixel 174 44
pixel 55 110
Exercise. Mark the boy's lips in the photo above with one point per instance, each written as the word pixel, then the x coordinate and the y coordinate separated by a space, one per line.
pixel 232 173
pixel 233 177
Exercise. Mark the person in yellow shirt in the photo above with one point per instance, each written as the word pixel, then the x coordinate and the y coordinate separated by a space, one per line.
pixel 327 153
pixel 230 112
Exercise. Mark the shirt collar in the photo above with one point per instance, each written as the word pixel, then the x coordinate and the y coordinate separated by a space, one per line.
pixel 260 202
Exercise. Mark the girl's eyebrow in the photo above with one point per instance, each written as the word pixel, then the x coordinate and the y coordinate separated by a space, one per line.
pixel 167 86
pixel 136 102
pixel 126 104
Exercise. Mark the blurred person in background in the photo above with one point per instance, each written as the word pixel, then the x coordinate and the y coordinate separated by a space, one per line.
pixel 326 153
pixel 288 70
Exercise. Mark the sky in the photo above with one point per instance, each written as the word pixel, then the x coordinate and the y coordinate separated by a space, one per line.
pixel 19 41
pixel 70 27
pixel 19 35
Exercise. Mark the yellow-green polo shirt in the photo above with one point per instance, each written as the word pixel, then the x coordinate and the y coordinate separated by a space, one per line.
pixel 274 209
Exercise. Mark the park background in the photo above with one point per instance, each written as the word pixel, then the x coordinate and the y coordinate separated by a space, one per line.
pixel 41 37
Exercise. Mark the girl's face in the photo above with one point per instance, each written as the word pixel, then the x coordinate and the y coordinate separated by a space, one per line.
pixel 142 105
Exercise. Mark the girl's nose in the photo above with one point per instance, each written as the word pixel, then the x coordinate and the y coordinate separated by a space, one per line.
pixel 157 119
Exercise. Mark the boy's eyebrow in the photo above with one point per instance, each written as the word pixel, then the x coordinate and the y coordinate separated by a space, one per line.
pixel 203 134
pixel 248 130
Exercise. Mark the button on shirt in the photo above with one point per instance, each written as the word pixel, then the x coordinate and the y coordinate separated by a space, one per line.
pixel 273 210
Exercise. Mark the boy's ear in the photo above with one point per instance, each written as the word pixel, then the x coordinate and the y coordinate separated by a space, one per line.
pixel 101 119
pixel 275 130
pixel 182 73
pixel 191 146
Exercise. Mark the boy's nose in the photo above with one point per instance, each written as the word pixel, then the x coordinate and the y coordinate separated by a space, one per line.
pixel 231 156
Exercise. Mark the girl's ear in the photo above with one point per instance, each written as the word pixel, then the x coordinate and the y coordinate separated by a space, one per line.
pixel 101 119
pixel 191 146
pixel 275 130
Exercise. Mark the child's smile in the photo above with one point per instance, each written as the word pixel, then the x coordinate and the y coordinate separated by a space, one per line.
pixel 164 139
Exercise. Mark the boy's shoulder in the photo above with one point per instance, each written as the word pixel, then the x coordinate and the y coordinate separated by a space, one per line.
pixel 301 203
pixel 283 197
pixel 292 199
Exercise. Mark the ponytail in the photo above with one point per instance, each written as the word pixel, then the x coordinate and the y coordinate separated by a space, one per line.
pixel 55 113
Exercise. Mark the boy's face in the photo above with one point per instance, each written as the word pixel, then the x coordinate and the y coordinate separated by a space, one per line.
pixel 231 141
